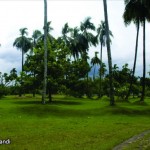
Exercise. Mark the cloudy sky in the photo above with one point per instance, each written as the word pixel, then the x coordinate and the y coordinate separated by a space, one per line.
pixel 16 14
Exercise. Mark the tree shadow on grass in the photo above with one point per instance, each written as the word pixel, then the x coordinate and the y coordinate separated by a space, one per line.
pixel 58 102
pixel 60 111
pixel 53 110
pixel 118 110
pixel 26 102
pixel 59 108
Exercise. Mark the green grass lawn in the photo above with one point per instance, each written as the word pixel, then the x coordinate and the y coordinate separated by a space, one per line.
pixel 69 123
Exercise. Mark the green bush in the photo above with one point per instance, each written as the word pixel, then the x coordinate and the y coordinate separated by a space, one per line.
pixel 2 91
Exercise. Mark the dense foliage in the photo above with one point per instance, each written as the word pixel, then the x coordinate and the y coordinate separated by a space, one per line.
pixel 68 62
pixel 66 74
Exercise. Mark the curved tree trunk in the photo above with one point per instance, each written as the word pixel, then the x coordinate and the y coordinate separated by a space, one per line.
pixel 135 58
pixel 45 53
pixel 144 64
pixel 111 91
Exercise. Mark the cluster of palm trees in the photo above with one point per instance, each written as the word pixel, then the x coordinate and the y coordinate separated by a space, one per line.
pixel 81 39
pixel 77 39
pixel 137 11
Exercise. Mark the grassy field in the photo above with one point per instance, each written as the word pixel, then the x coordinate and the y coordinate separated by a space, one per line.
pixel 69 123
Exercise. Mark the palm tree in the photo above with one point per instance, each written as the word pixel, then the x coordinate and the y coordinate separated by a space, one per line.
pixel 130 15
pixel 95 61
pixel 65 30
pixel 137 11
pixel 50 38
pixel 23 43
pixel 36 35
pixel 115 69
pixel 103 69
pixel 101 35
pixel 88 38
pixel 111 92
pixel 45 53
pixel 74 42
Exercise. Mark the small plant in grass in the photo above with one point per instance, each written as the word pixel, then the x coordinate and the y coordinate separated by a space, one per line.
pixel 121 92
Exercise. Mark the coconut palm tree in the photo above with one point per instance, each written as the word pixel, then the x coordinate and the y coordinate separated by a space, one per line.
pixel 50 38
pixel 74 43
pixel 45 53
pixel 101 35
pixel 88 39
pixel 111 92
pixel 23 43
pixel 65 30
pixel 95 61
pixel 36 35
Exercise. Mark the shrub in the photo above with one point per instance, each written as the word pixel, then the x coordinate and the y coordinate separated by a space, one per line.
pixel 2 91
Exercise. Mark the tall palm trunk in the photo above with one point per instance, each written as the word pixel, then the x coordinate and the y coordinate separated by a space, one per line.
pixel 111 92
pixel 100 82
pixel 144 64
pixel 22 69
pixel 135 58
pixel 45 53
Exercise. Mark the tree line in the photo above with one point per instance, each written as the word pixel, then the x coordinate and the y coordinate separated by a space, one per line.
pixel 65 64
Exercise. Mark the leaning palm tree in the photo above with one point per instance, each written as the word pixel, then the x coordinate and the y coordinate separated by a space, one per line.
pixel 23 43
pixel 101 35
pixel 95 61
pixel 130 14
pixel 111 92
pixel 45 53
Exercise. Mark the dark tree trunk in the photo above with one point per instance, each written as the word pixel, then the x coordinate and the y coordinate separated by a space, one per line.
pixel 111 91
pixel 135 58
pixel 49 95
pixel 94 74
pixel 34 86
pixel 100 81
pixel 144 64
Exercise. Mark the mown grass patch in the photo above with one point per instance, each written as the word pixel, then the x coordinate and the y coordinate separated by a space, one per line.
pixel 69 123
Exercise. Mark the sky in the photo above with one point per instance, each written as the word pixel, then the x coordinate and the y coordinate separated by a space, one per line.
pixel 16 14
